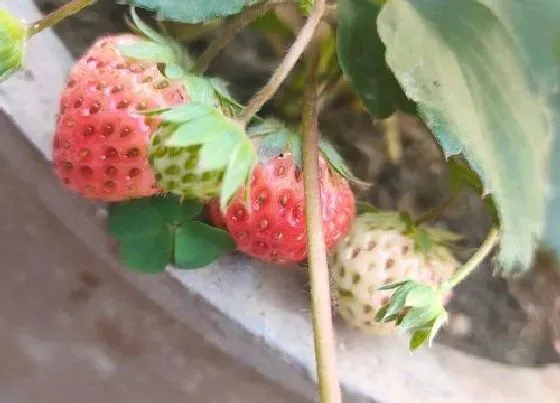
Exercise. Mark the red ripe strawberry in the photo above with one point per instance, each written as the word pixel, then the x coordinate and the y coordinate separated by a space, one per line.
pixel 271 227
pixel 100 144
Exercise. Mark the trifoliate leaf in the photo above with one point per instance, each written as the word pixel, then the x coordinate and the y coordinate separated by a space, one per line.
pixel 149 253
pixel 362 59
pixel 13 36
pixel 193 11
pixel 198 244
pixel 241 162
pixel 147 50
pixel 418 339
pixel 485 81
pixel 145 229
pixel 135 219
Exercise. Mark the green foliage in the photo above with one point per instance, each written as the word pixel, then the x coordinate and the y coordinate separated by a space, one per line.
pixel 362 58
pixel 473 75
pixel 193 11
pixel 154 232
pixel 415 308
pixel 13 35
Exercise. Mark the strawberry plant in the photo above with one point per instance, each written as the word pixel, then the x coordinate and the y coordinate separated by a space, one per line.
pixel 143 127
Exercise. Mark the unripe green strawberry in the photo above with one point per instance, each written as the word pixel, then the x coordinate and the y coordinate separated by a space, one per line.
pixel 378 250
pixel 192 150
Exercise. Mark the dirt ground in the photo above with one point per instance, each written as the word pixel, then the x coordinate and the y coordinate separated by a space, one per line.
pixel 487 320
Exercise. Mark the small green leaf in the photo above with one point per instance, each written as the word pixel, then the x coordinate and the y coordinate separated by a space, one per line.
pixel 362 58
pixel 144 29
pixel 422 295
pixel 135 219
pixel 193 11
pixel 365 207
pixel 394 285
pixel 216 153
pixel 418 317
pixel 418 339
pixel 13 36
pixel 422 241
pixel 439 322
pixel 198 131
pixel 186 112
pixel 201 90
pixel 296 147
pixel 241 162
pixel 173 71
pixel 337 162
pixel 198 244
pixel 398 299
pixel 149 253
pixel 147 50
pixel 381 314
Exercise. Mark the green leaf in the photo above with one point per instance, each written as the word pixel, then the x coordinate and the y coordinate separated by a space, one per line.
pixel 439 322
pixel 394 285
pixel 422 295
pixel 149 253
pixel 483 82
pixel 362 59
pixel 193 11
pixel 198 244
pixel 242 160
pixel 198 131
pixel 338 164
pixel 173 71
pixel 422 241
pixel 135 219
pixel 215 154
pixel 147 50
pixel 365 207
pixel 186 112
pixel 144 29
pixel 201 90
pixel 13 36
pixel 174 210
pixel 418 317
pixel 418 339
pixel 398 299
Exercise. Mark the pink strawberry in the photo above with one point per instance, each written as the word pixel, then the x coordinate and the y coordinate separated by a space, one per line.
pixel 272 226
pixel 100 143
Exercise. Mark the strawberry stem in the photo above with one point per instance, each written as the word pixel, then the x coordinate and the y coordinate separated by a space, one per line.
pixel 477 258
pixel 434 212
pixel 298 47
pixel 231 28
pixel 58 15
pixel 325 351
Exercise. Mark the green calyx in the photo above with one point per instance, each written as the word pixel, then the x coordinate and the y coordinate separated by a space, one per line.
pixel 272 138
pixel 13 37
pixel 156 47
pixel 431 242
pixel 161 230
pixel 199 152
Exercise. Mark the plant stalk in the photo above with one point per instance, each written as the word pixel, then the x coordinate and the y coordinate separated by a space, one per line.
pixel 324 338
pixel 232 27
pixel 489 243
pixel 298 47
pixel 58 15
pixel 434 212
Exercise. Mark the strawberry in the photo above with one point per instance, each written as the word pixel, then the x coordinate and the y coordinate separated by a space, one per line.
pixel 101 135
pixel 381 248
pixel 268 221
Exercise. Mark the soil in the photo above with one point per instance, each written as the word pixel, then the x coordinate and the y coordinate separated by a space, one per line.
pixel 493 318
